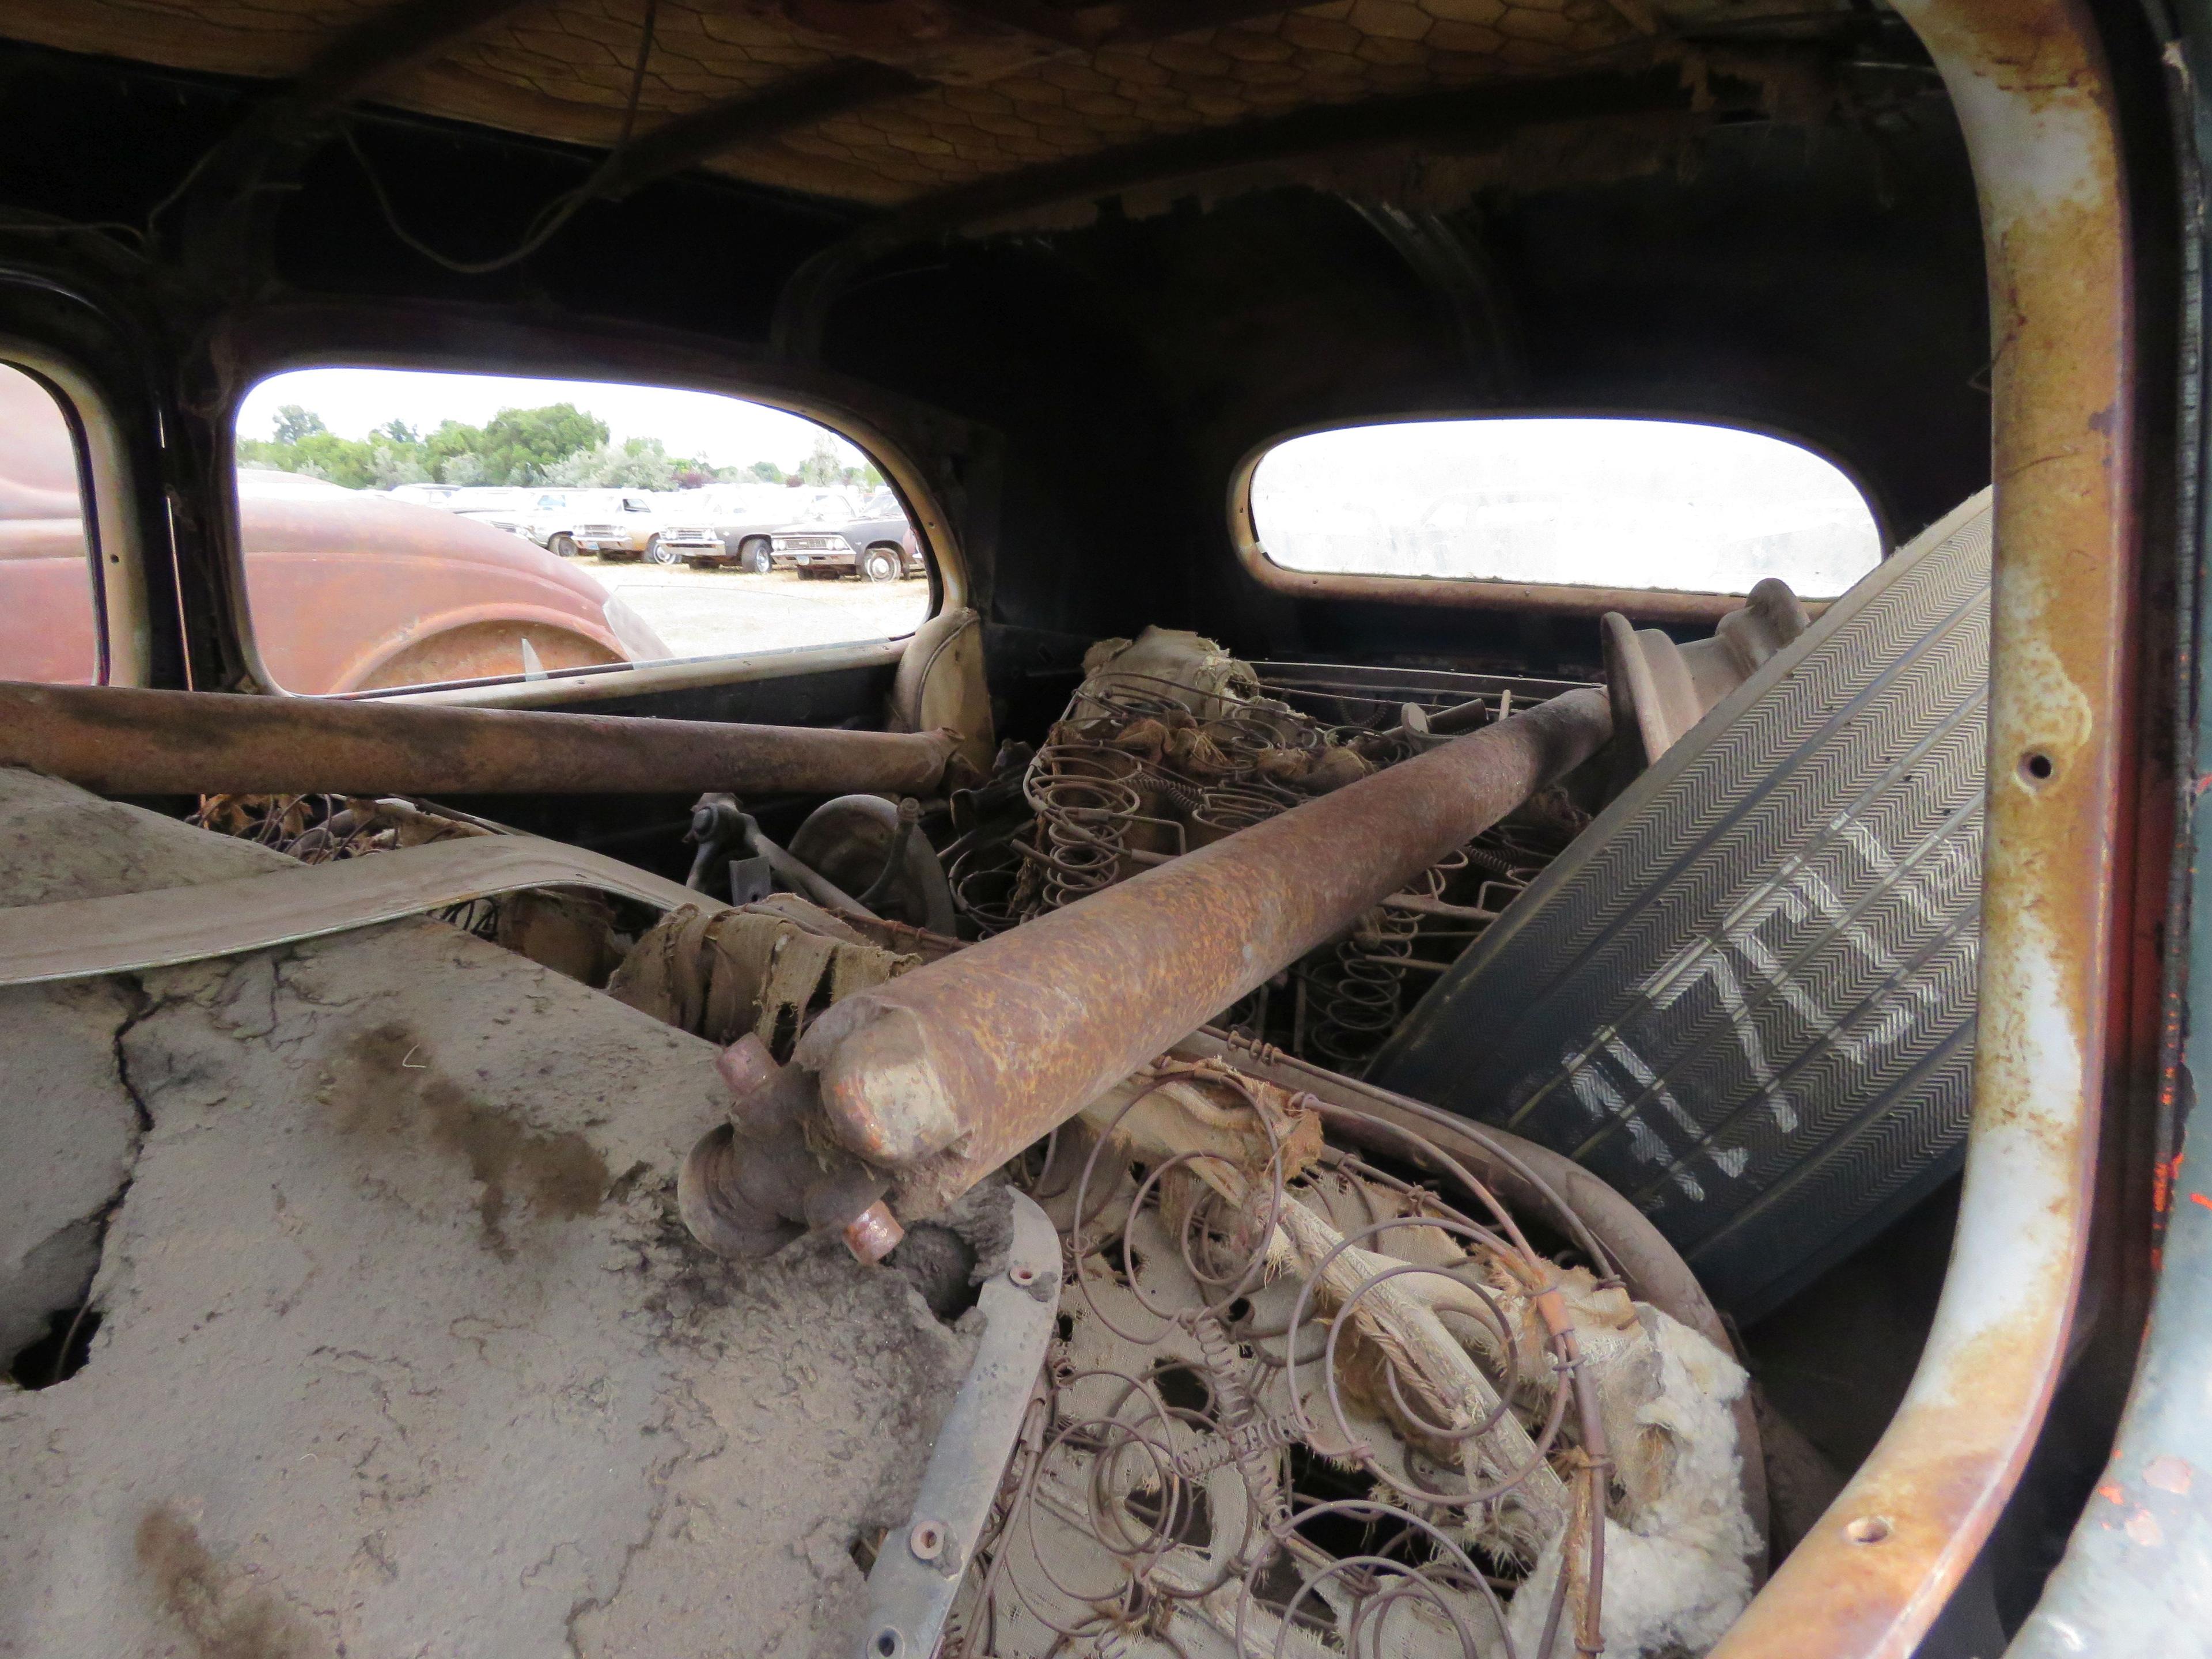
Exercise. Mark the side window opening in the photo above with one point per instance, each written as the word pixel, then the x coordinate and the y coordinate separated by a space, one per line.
pixel 1665 506
pixel 50 628
pixel 398 530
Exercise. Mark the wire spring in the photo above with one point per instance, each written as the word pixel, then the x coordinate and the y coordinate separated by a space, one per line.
pixel 1245 1432
pixel 1356 994
pixel 1237 1444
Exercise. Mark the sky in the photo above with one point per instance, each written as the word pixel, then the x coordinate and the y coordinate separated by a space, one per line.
pixel 727 431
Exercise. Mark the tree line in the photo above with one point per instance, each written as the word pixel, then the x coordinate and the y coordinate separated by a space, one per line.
pixel 558 445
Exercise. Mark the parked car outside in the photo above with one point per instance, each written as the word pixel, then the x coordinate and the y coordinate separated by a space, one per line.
pixel 871 541
pixel 623 524
pixel 353 592
pixel 498 505
pixel 350 590
pixel 425 494
pixel 734 524
pixel 547 518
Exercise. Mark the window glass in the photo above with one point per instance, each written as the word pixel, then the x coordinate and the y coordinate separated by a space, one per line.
pixel 1595 502
pixel 49 615
pixel 404 528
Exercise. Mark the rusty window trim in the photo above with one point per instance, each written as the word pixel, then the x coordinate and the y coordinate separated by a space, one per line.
pixel 250 346
pixel 1650 604
pixel 2029 82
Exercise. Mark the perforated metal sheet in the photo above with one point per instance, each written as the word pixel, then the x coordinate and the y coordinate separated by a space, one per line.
pixel 1746 995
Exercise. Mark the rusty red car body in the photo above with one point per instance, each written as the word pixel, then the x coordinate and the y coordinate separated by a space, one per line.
pixel 351 590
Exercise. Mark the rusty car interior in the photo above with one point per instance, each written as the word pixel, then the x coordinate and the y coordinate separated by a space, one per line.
pixel 1242 1088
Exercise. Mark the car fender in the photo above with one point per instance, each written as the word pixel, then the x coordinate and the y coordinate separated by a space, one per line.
pixel 527 620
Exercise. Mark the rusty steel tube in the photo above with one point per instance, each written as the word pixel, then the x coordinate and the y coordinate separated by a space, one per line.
pixel 120 742
pixel 947 1072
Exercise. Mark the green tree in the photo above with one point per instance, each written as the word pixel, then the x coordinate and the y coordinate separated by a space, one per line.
pixel 766 471
pixel 520 446
pixel 391 463
pixel 294 423
pixel 399 432
pixel 823 466
pixel 449 443
pixel 634 464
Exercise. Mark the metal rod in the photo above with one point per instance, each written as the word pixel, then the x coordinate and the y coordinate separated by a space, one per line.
pixel 947 1072
pixel 121 742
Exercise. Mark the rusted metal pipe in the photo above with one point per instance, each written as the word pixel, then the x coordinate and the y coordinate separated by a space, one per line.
pixel 943 1074
pixel 120 742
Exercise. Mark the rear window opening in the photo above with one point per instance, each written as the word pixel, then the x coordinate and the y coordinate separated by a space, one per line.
pixel 1667 506
pixel 403 528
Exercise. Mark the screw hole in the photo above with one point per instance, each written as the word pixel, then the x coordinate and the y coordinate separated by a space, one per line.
pixel 2036 767
pixel 887 1643
pixel 1868 1529
pixel 1022 1275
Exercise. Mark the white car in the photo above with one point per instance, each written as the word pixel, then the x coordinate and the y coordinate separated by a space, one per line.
pixel 549 517
pixel 622 524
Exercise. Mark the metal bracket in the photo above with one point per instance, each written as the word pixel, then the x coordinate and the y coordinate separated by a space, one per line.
pixel 918 1571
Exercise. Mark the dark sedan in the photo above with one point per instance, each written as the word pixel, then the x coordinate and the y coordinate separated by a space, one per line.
pixel 878 543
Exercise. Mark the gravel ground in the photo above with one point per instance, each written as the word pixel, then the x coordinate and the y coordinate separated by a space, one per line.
pixel 703 612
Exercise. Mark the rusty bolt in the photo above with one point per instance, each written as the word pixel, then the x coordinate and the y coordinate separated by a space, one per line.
pixel 927 1540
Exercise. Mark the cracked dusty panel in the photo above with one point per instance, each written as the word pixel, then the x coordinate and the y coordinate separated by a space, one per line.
pixel 70 1130
pixel 56 841
pixel 68 1124
pixel 405 1350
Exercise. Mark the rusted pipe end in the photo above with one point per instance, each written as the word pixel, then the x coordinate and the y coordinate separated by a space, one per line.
pixel 883 1094
pixel 873 1234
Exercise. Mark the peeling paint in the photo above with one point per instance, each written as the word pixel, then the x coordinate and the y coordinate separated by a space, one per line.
pixel 2028 83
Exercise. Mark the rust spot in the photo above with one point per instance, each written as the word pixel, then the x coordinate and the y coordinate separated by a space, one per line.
pixel 2199 1198
pixel 2163 1174
pixel 387 1084
pixel 222 1617
pixel 2111 1493
pixel 2172 1475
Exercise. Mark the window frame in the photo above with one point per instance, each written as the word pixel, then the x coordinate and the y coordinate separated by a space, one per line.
pixel 1494 593
pixel 468 340
pixel 114 547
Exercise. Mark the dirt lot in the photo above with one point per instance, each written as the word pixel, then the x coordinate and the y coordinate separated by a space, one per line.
pixel 703 612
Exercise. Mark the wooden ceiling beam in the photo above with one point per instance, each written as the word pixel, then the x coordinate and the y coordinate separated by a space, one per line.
pixel 800 101
pixel 1121 23
pixel 853 83
pixel 386 43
